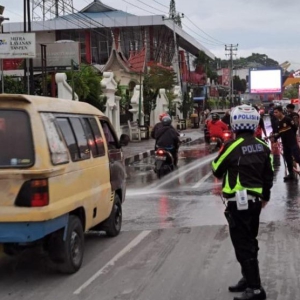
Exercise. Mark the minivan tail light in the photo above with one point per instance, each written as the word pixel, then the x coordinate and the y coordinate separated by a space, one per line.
pixel 33 193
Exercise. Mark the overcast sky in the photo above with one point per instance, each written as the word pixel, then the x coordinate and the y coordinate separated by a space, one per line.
pixel 270 27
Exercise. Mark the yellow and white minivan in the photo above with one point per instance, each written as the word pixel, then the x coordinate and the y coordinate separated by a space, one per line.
pixel 62 173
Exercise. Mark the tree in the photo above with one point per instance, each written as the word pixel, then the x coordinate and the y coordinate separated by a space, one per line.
pixel 87 84
pixel 207 65
pixel 12 85
pixel 239 85
pixel 157 78
pixel 245 62
pixel 172 107
pixel 201 60
pixel 124 100
pixel 291 92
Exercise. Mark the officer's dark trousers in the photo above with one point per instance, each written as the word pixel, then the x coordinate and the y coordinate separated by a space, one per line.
pixel 243 232
pixel 290 152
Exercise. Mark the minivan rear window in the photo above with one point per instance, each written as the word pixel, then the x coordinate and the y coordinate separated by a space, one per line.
pixel 16 144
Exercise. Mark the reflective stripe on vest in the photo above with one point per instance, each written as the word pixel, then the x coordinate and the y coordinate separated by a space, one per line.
pixel 215 165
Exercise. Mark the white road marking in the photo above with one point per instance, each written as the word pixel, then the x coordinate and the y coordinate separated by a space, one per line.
pixel 111 263
pixel 202 180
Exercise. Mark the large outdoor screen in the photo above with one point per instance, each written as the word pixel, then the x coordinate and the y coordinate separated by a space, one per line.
pixel 265 81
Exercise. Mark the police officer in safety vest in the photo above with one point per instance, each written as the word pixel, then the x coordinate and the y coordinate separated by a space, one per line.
pixel 246 167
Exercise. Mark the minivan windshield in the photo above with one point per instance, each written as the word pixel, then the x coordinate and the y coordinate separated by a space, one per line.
pixel 16 146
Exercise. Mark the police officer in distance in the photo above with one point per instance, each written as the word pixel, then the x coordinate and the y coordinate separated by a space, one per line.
pixel 292 114
pixel 287 132
pixel 246 167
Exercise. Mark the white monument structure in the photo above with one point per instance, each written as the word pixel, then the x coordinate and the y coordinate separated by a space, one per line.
pixel 64 90
pixel 137 93
pixel 178 100
pixel 162 106
pixel 109 87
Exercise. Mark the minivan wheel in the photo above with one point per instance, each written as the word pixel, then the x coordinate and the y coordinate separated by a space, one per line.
pixel 113 224
pixel 68 254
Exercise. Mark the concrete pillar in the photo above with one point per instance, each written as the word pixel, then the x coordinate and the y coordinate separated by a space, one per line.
pixel 109 87
pixel 178 100
pixel 64 90
pixel 162 106
pixel 135 103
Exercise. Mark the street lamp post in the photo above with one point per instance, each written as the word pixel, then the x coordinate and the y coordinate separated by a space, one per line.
pixel 2 65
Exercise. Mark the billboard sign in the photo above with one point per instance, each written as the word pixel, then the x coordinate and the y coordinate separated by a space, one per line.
pixel 17 45
pixel 58 56
pixel 265 81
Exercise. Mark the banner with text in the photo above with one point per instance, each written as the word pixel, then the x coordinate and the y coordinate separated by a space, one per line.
pixel 17 45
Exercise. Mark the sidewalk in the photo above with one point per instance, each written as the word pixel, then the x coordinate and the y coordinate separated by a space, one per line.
pixel 136 151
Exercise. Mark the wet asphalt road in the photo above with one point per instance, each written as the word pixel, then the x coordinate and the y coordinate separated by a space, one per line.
pixel 174 244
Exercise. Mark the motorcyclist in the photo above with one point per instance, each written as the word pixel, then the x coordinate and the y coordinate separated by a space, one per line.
pixel 158 125
pixel 245 164
pixel 216 127
pixel 167 138
pixel 226 119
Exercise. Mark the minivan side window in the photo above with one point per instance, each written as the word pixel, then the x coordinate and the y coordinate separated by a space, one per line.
pixel 77 143
pixel 95 139
pixel 58 150
pixel 81 138
pixel 110 137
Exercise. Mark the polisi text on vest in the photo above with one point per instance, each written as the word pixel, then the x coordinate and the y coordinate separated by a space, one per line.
pixel 247 117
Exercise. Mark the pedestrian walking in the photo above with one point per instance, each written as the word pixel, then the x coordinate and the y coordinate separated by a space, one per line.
pixel 246 167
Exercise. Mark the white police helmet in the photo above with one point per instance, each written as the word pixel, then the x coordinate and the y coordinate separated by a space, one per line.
pixel 244 117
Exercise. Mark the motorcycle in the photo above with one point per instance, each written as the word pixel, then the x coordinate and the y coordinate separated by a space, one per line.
pixel 227 135
pixel 164 162
pixel 215 143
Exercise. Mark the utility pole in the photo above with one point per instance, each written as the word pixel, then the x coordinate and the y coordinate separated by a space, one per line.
pixel 231 49
pixel 174 18
pixel 31 76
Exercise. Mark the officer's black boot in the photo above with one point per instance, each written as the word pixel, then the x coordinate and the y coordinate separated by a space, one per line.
pixel 289 177
pixel 254 291
pixel 239 287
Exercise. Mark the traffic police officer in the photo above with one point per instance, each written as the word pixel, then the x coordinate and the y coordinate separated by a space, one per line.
pixel 247 170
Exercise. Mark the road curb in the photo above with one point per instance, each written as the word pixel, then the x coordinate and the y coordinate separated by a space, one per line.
pixel 137 157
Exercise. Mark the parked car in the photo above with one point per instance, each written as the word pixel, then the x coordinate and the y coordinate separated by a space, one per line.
pixel 61 174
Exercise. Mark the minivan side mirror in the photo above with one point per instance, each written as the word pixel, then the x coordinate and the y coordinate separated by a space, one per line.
pixel 124 140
